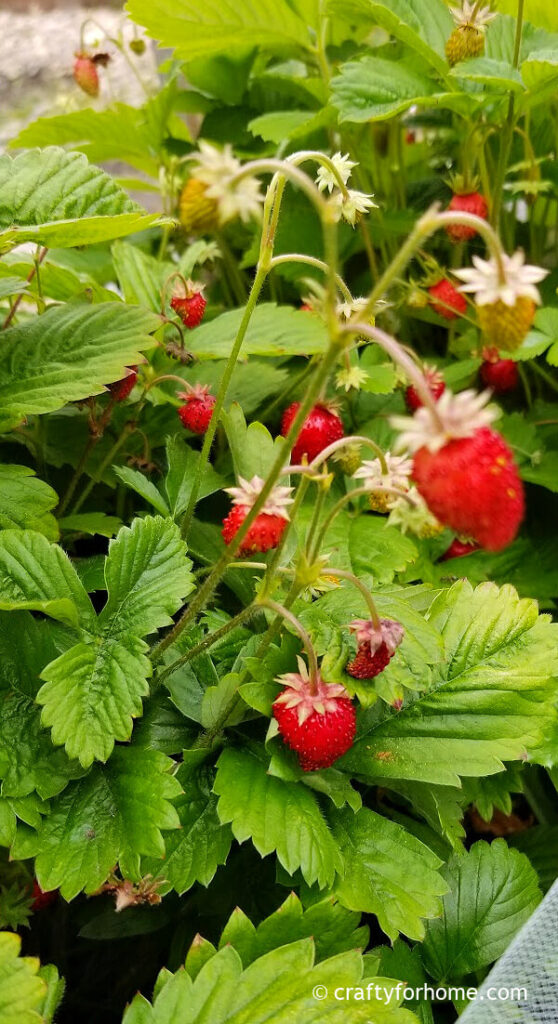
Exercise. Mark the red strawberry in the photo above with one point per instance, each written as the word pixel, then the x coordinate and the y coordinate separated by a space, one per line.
pixel 471 484
pixel 318 722
pixel 122 388
pixel 198 409
pixel 502 375
pixel 377 643
pixel 446 300
pixel 190 308
pixel 435 383
pixel 268 527
pixel 321 428
pixel 42 899
pixel 264 534
pixel 86 74
pixel 366 665
pixel 459 548
pixel 472 202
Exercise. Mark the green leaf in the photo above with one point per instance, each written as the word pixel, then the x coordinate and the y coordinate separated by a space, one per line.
pixel 493 892
pixel 115 814
pixel 12 286
pixel 540 69
pixel 275 815
pixel 94 523
pixel 424 27
pixel 388 872
pixel 25 501
pixel 252 447
pixel 496 74
pixel 540 844
pixel 140 276
pixel 223 28
pixel 21 990
pixel 374 89
pixel 28 760
pixel 148 576
pixel 68 353
pixel 58 199
pixel 491 698
pixel 281 124
pixel 39 576
pixel 139 483
pixel 273 331
pixel 92 693
pixel 182 467
pixel 195 851
pixel 405 964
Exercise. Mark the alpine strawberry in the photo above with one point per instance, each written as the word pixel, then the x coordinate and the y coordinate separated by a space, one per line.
pixel 321 428
pixel 459 548
pixel 317 721
pixel 446 301
pixel 120 389
pixel 86 74
pixel 197 411
pixel 191 306
pixel 501 375
pixel 198 211
pixel 376 646
pixel 436 386
pixel 467 39
pixel 505 296
pixel 471 202
pixel 397 475
pixel 268 526
pixel 41 899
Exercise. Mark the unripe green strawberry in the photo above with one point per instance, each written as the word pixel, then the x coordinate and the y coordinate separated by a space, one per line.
pixel 506 327
pixel 465 42
pixel 198 211
pixel 348 458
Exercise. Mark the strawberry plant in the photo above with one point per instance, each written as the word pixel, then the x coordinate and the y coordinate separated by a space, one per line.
pixel 279 727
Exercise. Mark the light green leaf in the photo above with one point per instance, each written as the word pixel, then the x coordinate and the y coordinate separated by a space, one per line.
pixel 275 815
pixel 25 501
pixel 182 467
pixel 252 447
pixel 140 276
pixel 273 331
pixel 148 576
pixel 496 74
pixel 493 892
pixel 143 486
pixel 95 523
pixel 39 576
pixel 540 69
pixel 388 872
pixel 491 699
pixel 225 26
pixel 280 124
pixel 67 354
pixel 374 89
pixel 92 693
pixel 58 199
pixel 28 760
pixel 425 27
pixel 115 814
pixel 12 286
pixel 21 990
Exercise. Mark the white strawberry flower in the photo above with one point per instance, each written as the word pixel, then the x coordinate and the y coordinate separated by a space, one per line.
pixel 520 279
pixel 326 179
pixel 468 14
pixel 248 491
pixel 217 168
pixel 398 475
pixel 352 204
pixel 456 416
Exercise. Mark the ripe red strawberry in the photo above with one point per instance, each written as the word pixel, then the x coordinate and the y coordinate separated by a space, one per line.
pixel 377 643
pixel 459 548
pixel 366 665
pixel 190 308
pixel 471 202
pixel 268 527
pixel 42 899
pixel 446 300
pixel 321 428
pixel 472 485
pixel 501 375
pixel 86 74
pixel 319 722
pixel 435 383
pixel 120 389
pixel 197 411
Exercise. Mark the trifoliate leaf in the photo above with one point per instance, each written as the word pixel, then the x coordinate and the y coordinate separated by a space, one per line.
pixel 39 576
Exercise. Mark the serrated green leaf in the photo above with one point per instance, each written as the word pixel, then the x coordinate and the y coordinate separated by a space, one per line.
pixel 12 286
pixel 280 124
pixel 182 467
pixel 69 353
pixel 273 331
pixel 58 199
pixel 143 486
pixel 491 698
pixel 148 577
pixel 496 74
pixel 34 575
pixel 374 89
pixel 224 26
pixel 425 27
pixel 493 891
pixel 388 872
pixel 95 523
pixel 21 990
pixel 140 276
pixel 115 814
pixel 25 502
pixel 28 760
pixel 540 844
pixel 275 815
pixel 253 449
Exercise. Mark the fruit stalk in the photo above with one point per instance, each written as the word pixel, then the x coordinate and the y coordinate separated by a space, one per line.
pixel 507 135
pixel 288 616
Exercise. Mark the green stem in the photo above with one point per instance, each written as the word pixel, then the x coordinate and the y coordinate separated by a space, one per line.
pixel 16 303
pixel 507 134
pixel 345 575
pixel 272 567
pixel 311 261
pixel 345 500
pixel 203 645
pixel 129 428
pixel 316 514
pixel 288 616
